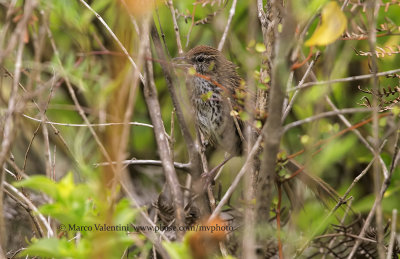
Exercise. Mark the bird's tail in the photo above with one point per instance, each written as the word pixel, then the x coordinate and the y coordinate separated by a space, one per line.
pixel 322 190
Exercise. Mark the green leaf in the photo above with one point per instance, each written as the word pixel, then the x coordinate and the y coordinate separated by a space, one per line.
pixel 177 250
pixel 260 47
pixel 57 248
pixel 39 183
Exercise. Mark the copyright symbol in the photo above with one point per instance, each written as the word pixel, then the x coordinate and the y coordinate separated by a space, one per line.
pixel 62 227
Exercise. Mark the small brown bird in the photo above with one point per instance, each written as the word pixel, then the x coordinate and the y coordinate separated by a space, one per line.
pixel 213 89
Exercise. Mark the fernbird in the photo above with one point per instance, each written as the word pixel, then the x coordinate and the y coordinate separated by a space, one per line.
pixel 216 90
pixel 213 91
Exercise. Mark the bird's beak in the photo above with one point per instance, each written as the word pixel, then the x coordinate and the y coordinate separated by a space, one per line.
pixel 178 59
pixel 180 62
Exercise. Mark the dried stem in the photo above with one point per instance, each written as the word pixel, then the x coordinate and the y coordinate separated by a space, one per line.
pixel 372 15
pixel 228 25
pixel 378 199
pixel 324 115
pixel 114 37
pixel 237 179
pixel 91 124
pixel 392 235
pixel 273 128
pixel 342 200
pixel 309 69
pixel 176 27
pixel 55 130
pixel 346 79
pixel 150 93
pixel 40 221
pixel 194 157
pixel 12 109
pixel 185 167
pixel 75 99
pixel 357 132
pixel 190 28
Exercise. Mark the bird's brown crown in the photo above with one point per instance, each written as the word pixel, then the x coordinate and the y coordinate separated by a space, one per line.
pixel 202 49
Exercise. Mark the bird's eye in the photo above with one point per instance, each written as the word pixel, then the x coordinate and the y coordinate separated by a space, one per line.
pixel 200 58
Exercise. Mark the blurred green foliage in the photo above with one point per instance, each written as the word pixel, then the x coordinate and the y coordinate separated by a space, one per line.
pixel 80 208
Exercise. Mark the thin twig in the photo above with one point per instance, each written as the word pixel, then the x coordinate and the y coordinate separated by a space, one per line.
pixel 340 203
pixel 30 145
pixel 347 234
pixel 12 109
pixel 372 14
pixel 182 166
pixel 30 207
pixel 358 134
pixel 346 79
pixel 176 27
pixel 191 26
pixel 261 14
pixel 46 134
pixel 290 105
pixel 324 115
pixel 278 221
pixel 228 25
pixel 356 180
pixel 377 201
pixel 75 99
pixel 392 235
pixel 273 129
pixel 161 30
pixel 114 37
pixel 55 130
pixel 91 124
pixel 235 120
pixel 368 220
pixel 150 93
pixel 191 145
pixel 236 181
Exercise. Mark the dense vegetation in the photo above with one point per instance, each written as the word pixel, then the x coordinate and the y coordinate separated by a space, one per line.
pixel 93 114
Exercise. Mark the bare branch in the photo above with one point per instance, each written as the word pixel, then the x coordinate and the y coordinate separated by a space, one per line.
pixel 185 167
pixel 91 124
pixel 309 69
pixel 176 27
pixel 392 235
pixel 153 105
pixel 34 213
pixel 346 79
pixel 12 109
pixel 359 135
pixel 372 14
pixel 114 37
pixel 236 181
pixel 228 25
pixel 324 115
pixel 273 128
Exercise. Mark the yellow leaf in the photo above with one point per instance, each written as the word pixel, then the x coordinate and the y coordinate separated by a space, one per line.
pixel 304 139
pixel 396 110
pixel 260 47
pixel 234 113
pixel 333 24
